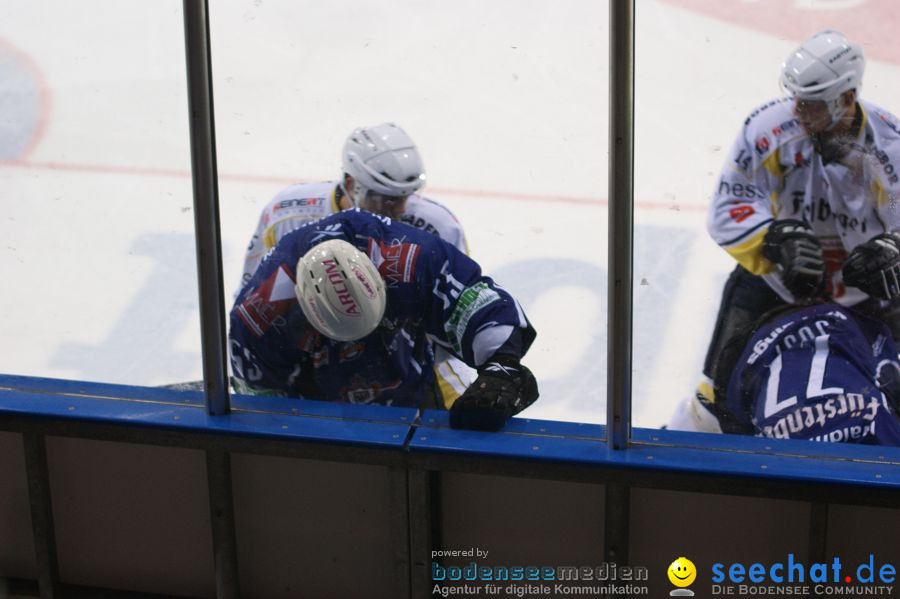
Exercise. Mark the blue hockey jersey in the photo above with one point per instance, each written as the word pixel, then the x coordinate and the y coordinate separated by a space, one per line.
pixel 812 374
pixel 434 291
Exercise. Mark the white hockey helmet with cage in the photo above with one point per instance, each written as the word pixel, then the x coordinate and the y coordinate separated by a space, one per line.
pixel 382 159
pixel 823 68
pixel 340 291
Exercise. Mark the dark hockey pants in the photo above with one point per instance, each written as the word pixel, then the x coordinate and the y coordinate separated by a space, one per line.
pixel 745 299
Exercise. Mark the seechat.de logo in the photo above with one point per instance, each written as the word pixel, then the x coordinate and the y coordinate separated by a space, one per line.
pixel 681 574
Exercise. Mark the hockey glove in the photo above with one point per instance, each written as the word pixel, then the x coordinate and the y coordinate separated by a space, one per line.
pixel 888 378
pixel 874 266
pixel 791 245
pixel 503 388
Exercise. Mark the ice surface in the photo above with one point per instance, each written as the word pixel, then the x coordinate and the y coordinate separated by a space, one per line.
pixel 507 100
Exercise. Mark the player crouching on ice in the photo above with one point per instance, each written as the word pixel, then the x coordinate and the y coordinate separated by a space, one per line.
pixel 343 308
pixel 817 371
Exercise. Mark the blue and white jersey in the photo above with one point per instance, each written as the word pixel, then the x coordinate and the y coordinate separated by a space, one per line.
pixel 811 374
pixel 434 291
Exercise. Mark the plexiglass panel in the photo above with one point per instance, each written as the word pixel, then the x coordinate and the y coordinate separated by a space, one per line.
pixel 507 103
pixel 97 227
pixel 717 134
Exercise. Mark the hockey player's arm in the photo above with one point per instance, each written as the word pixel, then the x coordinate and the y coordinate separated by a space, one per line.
pixel 265 324
pixel 504 388
pixel 741 212
pixel 484 325
pixel 262 364
pixel 255 250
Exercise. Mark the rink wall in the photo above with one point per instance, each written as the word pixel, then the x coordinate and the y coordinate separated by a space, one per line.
pixel 140 490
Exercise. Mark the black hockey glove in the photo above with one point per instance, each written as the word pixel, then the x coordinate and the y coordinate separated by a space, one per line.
pixel 503 388
pixel 792 245
pixel 874 266
pixel 888 379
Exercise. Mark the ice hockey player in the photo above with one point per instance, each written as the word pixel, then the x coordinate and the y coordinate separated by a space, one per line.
pixel 820 372
pixel 383 172
pixel 343 308
pixel 807 201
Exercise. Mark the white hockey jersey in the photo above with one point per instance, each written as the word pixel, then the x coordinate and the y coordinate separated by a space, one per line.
pixel 299 204
pixel 775 172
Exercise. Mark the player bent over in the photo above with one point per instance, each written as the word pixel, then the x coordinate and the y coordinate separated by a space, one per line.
pixel 821 372
pixel 383 172
pixel 347 309
pixel 808 201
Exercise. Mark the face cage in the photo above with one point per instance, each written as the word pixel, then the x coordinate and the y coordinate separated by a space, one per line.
pixel 362 196
pixel 380 203
pixel 835 107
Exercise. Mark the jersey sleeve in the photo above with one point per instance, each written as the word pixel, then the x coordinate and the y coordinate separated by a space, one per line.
pixel 452 231
pixel 255 250
pixel 432 216
pixel 265 356
pixel 741 210
pixel 469 314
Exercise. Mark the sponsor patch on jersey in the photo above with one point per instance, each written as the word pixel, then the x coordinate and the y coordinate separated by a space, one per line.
pixel 835 255
pixel 419 223
pixel 361 391
pixel 320 357
pixel 350 350
pixel 296 203
pixel 266 305
pixel 816 418
pixel 778 130
pixel 396 262
pixel 470 301
pixel 762 145
pixel 741 213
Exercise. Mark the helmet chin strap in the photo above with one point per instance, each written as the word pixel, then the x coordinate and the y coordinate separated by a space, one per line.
pixel 358 192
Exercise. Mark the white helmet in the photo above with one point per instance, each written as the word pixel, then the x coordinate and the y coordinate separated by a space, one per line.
pixel 382 159
pixel 822 68
pixel 340 291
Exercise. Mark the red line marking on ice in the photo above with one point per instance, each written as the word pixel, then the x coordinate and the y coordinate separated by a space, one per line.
pixel 474 193
pixel 871 23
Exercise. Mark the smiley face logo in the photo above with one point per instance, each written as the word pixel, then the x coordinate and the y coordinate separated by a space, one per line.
pixel 682 572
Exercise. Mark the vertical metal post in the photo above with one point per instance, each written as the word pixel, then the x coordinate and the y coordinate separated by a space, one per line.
pixel 621 209
pixel 41 514
pixel 421 524
pixel 400 525
pixel 617 514
pixel 221 513
pixel 206 206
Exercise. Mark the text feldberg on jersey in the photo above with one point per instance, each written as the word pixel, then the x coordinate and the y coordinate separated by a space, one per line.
pixel 773 173
pixel 298 204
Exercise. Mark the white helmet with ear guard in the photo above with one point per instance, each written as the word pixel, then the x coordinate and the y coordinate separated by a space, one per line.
pixel 382 159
